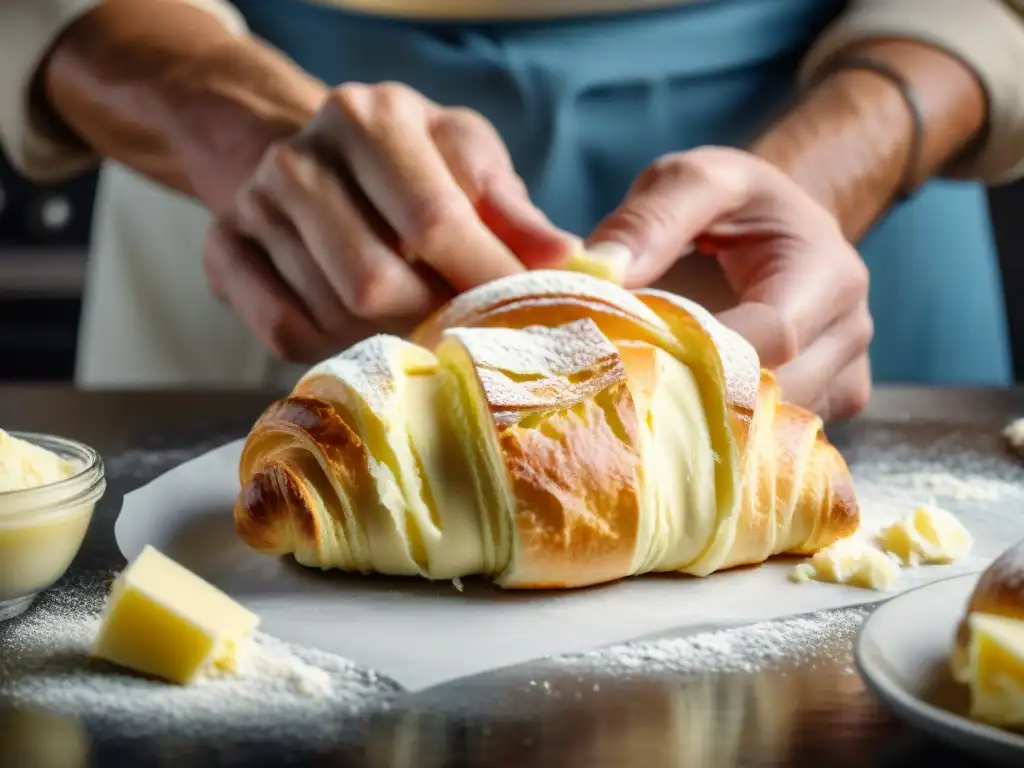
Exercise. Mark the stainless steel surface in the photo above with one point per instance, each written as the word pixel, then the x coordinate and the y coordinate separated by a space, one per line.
pixel 809 709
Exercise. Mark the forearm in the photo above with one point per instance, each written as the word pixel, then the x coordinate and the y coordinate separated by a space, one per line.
pixel 848 141
pixel 169 90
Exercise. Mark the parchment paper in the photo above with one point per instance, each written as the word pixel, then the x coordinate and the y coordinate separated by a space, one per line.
pixel 422 634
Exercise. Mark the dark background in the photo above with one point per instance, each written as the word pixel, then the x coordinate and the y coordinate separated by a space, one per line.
pixel 44 234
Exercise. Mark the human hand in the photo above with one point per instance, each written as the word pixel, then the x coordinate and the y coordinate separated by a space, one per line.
pixel 371 217
pixel 802 287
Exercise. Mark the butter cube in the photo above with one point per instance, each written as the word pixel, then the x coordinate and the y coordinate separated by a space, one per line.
pixel 927 536
pixel 852 562
pixel 163 620
pixel 996 669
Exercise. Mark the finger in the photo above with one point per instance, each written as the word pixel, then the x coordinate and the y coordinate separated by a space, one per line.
pixel 526 231
pixel 259 218
pixel 765 329
pixel 670 204
pixel 810 287
pixel 482 167
pixel 342 237
pixel 241 275
pixel 850 393
pixel 808 378
pixel 382 134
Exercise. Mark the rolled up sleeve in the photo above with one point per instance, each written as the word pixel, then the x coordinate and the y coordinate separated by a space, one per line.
pixel 986 35
pixel 33 138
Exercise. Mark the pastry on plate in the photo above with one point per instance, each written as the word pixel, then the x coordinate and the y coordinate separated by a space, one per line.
pixel 548 430
pixel 988 655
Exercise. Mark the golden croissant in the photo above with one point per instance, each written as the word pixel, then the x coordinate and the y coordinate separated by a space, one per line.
pixel 547 430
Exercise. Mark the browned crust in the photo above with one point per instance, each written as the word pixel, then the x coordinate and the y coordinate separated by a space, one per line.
pixel 842 516
pixel 274 512
pixel 826 507
pixel 999 591
pixel 791 469
pixel 575 480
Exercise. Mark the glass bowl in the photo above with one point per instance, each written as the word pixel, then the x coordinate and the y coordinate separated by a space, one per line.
pixel 42 528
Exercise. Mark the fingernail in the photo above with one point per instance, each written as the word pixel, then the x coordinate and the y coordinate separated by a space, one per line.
pixel 616 253
pixel 605 260
pixel 615 256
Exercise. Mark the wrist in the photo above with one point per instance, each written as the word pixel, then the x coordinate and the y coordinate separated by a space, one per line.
pixel 223 112
pixel 174 93
pixel 853 141
pixel 847 143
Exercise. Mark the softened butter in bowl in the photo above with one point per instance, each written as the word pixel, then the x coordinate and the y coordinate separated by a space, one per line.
pixel 49 487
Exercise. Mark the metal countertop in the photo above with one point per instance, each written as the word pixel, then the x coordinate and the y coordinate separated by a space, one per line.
pixel 811 709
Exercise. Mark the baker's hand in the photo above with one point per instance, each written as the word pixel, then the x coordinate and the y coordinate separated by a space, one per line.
pixel 802 287
pixel 368 219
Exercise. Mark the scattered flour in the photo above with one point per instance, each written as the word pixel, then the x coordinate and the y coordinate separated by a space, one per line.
pixel 742 649
pixel 965 472
pixel 44 655
pixel 45 664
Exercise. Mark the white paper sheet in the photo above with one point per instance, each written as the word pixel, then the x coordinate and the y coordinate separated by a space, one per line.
pixel 422 634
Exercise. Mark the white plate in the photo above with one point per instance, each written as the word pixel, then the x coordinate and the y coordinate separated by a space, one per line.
pixel 902 652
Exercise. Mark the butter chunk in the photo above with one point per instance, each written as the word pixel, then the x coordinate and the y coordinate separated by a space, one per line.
pixel 852 562
pixel 25 465
pixel 163 620
pixel 927 536
pixel 609 263
pixel 995 671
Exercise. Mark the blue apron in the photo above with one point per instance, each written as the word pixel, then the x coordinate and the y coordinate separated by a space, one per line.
pixel 585 104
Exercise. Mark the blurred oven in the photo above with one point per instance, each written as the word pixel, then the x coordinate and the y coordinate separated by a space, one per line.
pixel 44 236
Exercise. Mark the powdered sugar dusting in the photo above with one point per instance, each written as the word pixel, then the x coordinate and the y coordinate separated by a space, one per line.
pixel 46 665
pixel 372 368
pixel 535 284
pixel 740 361
pixel 553 359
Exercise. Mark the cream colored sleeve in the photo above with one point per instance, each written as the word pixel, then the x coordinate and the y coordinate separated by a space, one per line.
pixel 987 35
pixel 30 134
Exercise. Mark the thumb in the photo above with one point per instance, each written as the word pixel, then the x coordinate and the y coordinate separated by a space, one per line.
pixel 669 206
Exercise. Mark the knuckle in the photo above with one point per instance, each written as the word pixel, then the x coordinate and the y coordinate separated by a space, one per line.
pixel 788 338
pixel 858 277
pixel 856 397
pixel 865 328
pixel 250 204
pixel 349 101
pixel 280 334
pixel 372 292
pixel 467 119
pixel 852 392
pixel 281 163
pixel 691 168
pixel 720 157
pixel 432 222
pixel 393 97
